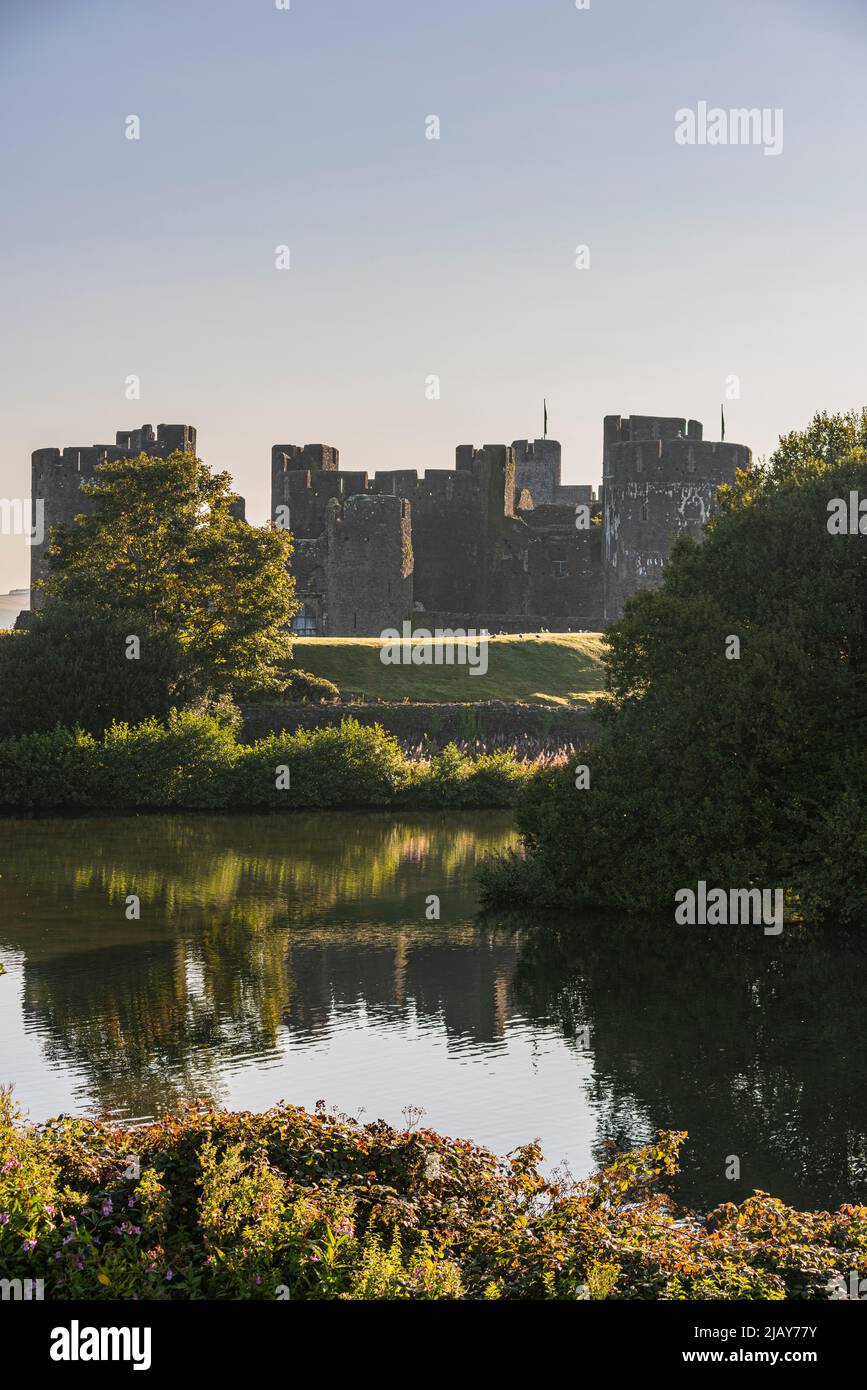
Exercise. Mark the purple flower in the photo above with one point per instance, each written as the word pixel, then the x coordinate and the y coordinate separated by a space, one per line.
pixel 170 1274
pixel 4 1218
pixel 107 1207
pixel 29 1245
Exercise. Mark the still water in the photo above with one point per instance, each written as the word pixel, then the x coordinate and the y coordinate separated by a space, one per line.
pixel 292 958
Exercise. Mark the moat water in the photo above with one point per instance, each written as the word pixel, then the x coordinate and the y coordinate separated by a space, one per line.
pixel 292 958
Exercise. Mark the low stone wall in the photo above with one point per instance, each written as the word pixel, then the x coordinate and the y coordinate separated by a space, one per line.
pixel 493 723
pixel 496 623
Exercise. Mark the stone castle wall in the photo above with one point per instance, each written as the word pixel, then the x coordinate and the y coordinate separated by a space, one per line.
pixel 495 536
pixel 553 726
pixel 368 565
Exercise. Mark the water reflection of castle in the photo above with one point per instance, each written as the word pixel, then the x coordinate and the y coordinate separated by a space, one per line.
pixel 466 991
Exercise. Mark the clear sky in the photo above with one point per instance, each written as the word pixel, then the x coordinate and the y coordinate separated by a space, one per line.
pixel 413 257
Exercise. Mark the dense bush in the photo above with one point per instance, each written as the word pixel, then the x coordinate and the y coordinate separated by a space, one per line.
pixel 70 667
pixel 739 772
pixel 208 1204
pixel 350 764
pixel 193 761
pixel 456 777
pixel 308 689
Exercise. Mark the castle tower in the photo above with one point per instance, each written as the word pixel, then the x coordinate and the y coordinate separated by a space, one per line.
pixel 304 478
pixel 57 479
pixel 537 468
pixel 660 480
pixel 368 565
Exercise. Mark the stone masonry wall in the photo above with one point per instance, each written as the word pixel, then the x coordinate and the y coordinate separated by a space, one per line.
pixel 368 565
pixel 551 725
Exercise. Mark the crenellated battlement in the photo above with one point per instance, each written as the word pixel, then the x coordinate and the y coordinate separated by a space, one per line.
pixel 537 450
pixel 630 429
pixel 678 459
pixel 291 461
pixel 473 550
pixel 537 472
pixel 371 548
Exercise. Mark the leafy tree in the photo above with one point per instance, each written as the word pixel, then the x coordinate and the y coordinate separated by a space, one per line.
pixel 741 772
pixel 163 549
pixel 71 667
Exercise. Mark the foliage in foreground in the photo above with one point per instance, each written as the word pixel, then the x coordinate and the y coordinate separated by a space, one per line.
pixel 315 1206
pixel 193 761
pixel 739 772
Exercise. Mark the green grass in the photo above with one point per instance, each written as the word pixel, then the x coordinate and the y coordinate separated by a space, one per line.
pixel 531 668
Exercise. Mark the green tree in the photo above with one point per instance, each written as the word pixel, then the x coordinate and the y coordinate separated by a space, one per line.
pixel 70 667
pixel 748 771
pixel 162 547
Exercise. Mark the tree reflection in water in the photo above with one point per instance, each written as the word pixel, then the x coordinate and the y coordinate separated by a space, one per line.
pixel 260 931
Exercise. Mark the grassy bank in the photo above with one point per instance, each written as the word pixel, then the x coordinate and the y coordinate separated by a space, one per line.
pixel 195 762
pixel 533 668
pixel 208 1204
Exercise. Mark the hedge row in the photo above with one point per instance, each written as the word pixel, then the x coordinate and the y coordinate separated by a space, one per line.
pixel 194 762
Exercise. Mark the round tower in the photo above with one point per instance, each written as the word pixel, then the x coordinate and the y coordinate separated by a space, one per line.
pixel 660 479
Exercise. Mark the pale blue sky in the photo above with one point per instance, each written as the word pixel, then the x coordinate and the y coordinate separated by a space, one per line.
pixel 412 257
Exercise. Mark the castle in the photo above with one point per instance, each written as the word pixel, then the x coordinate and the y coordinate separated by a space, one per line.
pixel 498 542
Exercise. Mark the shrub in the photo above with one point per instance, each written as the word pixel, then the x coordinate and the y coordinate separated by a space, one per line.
pixel 444 779
pixel 185 763
pixel 47 772
pixel 315 1206
pixel 308 689
pixel 351 764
